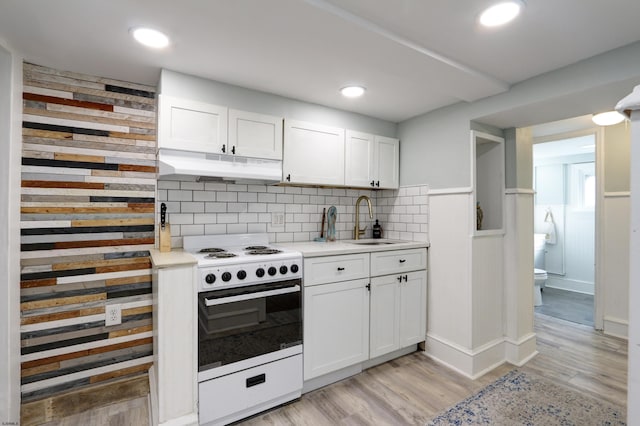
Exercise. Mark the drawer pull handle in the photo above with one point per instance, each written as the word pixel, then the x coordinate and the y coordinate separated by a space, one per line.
pixel 400 279
pixel 340 268
pixel 405 278
pixel 403 260
pixel 256 380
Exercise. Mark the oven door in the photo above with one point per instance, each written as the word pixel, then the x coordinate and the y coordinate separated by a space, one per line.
pixel 239 323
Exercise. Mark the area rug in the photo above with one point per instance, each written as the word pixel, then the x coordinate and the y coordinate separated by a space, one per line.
pixel 520 398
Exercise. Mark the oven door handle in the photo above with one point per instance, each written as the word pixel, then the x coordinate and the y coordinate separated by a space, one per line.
pixel 257 295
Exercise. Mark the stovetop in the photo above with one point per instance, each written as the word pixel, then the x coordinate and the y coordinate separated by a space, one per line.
pixel 233 260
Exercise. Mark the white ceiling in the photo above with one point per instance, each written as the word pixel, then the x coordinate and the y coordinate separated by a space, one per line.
pixel 413 56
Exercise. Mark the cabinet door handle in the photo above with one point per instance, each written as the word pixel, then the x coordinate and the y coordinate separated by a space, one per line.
pixel 373 182
pixel 224 148
pixel 368 286
pixel 340 268
pixel 378 184
pixel 405 278
pixel 288 178
pixel 403 260
pixel 400 279
pixel 233 149
pixel 256 380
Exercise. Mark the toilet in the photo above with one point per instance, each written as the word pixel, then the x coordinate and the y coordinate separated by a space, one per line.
pixel 539 272
pixel 539 278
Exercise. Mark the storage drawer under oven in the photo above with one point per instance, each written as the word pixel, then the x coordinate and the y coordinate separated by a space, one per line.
pixel 241 394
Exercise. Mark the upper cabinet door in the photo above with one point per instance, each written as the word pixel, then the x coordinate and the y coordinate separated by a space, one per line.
pixel 359 159
pixel 387 162
pixel 313 154
pixel 191 126
pixel 255 135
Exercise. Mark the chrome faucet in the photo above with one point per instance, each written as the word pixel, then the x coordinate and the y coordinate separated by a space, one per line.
pixel 356 230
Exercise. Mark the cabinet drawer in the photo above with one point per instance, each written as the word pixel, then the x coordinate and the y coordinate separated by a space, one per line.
pixel 392 262
pixel 327 269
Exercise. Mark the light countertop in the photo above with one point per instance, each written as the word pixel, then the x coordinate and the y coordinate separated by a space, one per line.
pixel 175 257
pixel 315 249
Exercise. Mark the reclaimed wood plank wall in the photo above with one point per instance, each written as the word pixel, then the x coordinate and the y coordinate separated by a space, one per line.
pixel 87 223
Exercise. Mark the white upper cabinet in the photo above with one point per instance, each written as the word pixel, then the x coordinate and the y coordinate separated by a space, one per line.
pixel 386 161
pixel 191 126
pixel 201 127
pixel 359 159
pixel 313 154
pixel 371 161
pixel 255 135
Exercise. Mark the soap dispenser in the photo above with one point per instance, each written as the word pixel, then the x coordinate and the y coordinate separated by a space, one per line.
pixel 377 230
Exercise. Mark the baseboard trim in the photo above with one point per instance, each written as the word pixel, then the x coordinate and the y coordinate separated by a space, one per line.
pixel 616 327
pixel 471 363
pixel 450 191
pixel 521 351
pixel 153 396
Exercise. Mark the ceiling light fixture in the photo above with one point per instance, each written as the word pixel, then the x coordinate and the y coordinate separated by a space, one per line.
pixel 501 13
pixel 608 118
pixel 352 91
pixel 150 37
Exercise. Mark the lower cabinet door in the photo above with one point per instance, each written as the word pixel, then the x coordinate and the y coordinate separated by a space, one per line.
pixel 413 311
pixel 385 315
pixel 336 326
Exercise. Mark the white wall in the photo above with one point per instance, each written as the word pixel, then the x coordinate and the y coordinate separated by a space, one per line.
pixel 199 89
pixel 10 116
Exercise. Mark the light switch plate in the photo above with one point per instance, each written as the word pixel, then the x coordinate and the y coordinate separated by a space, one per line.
pixel 277 219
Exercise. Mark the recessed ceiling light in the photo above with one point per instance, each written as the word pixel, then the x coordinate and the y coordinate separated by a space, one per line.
pixel 501 13
pixel 352 91
pixel 150 37
pixel 608 118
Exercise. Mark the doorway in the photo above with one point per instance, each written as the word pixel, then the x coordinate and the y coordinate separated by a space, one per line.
pixel 565 221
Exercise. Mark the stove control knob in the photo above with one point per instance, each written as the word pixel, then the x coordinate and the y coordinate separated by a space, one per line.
pixel 260 272
pixel 294 268
pixel 210 278
pixel 242 275
pixel 283 269
pixel 226 276
pixel 272 271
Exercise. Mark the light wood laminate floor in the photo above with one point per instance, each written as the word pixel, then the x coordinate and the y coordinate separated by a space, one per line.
pixel 412 389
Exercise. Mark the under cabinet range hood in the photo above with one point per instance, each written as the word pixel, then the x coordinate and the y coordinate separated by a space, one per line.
pixel 218 167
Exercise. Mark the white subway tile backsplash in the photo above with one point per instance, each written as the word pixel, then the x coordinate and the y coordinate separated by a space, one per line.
pixel 204 196
pixel 215 207
pixel 266 198
pixel 247 197
pixel 237 207
pixel 219 208
pixel 192 185
pixel 227 196
pixel 178 195
pixel 193 207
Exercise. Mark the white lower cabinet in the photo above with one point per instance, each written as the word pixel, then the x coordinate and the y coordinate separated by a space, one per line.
pixel 336 326
pixel 398 311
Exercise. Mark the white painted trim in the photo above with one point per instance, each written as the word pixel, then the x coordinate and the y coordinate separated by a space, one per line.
pixel 488 233
pixel 153 396
pixel 599 255
pixel 519 191
pixel 450 191
pixel 616 327
pixel 327 379
pixel 521 351
pixel 621 194
pixel 577 286
pixel 190 419
pixel 468 362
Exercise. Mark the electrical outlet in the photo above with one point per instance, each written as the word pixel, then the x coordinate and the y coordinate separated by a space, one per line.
pixel 277 219
pixel 113 315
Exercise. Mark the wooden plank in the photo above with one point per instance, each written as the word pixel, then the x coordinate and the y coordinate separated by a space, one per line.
pixel 36 319
pixel 113 222
pixel 100 263
pixel 47 134
pixel 89 91
pixel 38 283
pixel 137 311
pixel 103 243
pixel 88 118
pixel 79 210
pixel 119 373
pixel 111 114
pixel 61 184
pixel 61 301
pixel 63 101
pixel 76 157
pixel 127 267
pixel 26 372
pixel 129 331
pixel 128 280
pixel 136 168
pixel 133 136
